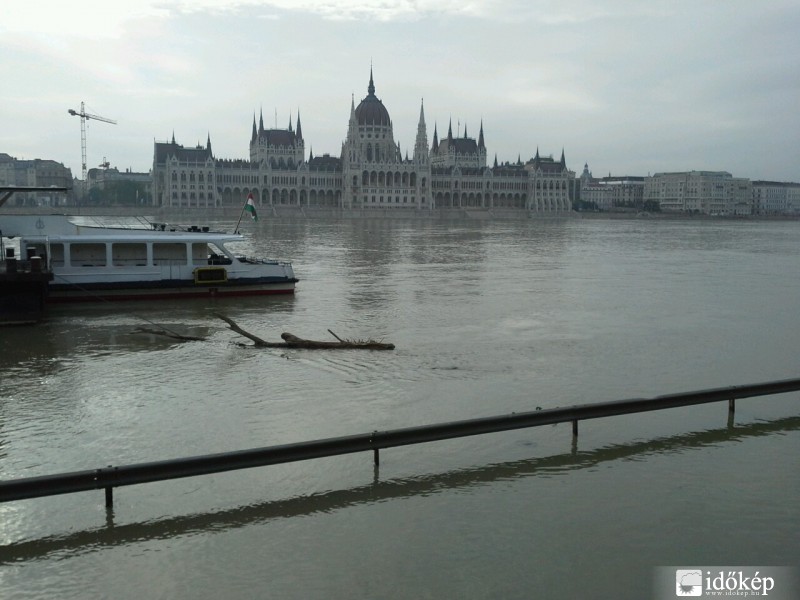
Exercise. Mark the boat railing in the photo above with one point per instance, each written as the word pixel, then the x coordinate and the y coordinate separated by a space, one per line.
pixel 107 478
pixel 15 265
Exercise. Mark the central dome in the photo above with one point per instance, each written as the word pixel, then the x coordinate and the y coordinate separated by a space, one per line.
pixel 370 110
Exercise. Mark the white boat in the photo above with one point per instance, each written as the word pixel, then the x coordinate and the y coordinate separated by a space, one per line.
pixel 98 258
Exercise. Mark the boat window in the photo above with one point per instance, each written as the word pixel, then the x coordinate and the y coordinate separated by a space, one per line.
pixel 165 254
pixel 57 255
pixel 129 254
pixel 87 255
pixel 200 254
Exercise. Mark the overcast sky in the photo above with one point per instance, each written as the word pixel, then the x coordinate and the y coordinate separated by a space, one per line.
pixel 630 87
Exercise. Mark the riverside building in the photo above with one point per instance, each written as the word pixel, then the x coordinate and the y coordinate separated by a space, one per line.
pixel 776 198
pixel 371 171
pixel 36 173
pixel 715 193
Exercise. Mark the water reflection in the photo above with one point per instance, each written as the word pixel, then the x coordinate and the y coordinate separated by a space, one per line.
pixel 112 535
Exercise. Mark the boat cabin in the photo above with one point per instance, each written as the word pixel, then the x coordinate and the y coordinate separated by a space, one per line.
pixel 127 253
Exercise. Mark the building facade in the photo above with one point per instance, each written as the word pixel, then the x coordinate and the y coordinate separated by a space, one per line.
pixel 36 173
pixel 715 193
pixel 370 172
pixel 612 193
pixel 776 198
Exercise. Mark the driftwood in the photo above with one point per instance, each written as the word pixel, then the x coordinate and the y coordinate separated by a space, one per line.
pixel 292 341
pixel 169 334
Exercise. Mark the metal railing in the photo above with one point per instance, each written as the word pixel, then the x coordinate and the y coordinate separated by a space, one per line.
pixel 110 477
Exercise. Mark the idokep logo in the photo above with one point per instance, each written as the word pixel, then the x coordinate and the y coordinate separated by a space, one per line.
pixel 688 582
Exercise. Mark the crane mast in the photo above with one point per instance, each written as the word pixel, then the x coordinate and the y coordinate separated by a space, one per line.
pixel 84 117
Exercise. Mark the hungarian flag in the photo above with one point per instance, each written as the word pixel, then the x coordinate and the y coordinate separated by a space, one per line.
pixel 251 207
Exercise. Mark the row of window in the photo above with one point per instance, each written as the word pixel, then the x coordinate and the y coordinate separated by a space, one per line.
pixel 192 196
pixel 200 177
pixel 388 200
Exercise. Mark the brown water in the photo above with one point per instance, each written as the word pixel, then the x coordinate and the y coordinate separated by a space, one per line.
pixel 488 318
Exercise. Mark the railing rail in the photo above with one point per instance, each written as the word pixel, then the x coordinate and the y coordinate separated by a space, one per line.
pixel 110 477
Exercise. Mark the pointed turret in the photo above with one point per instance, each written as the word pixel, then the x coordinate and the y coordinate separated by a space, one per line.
pixel 435 145
pixel 450 131
pixel 495 160
pixel 421 145
pixel 371 86
pixel 208 145
pixel 173 136
pixel 299 130
pixel 290 121
pixel 563 160
pixel 465 131
pixel 255 133
pixel 481 145
pixel 261 123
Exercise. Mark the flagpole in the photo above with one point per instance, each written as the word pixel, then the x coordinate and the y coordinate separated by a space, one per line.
pixel 241 214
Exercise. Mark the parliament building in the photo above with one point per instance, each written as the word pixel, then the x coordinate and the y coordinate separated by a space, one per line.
pixel 370 173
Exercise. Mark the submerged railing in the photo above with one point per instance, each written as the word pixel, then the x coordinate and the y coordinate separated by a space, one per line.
pixel 108 478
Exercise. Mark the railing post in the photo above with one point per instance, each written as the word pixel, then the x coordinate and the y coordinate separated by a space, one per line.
pixel 731 405
pixel 109 495
pixel 375 455
pixel 575 428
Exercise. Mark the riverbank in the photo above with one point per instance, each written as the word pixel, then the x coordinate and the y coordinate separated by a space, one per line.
pixel 319 213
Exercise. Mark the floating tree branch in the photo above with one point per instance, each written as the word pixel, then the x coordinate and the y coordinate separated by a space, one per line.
pixel 292 341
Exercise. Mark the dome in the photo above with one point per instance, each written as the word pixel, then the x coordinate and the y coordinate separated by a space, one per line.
pixel 370 110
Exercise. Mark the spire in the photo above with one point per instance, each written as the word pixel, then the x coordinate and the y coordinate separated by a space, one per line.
pixel 254 134
pixel 371 86
pixel 208 144
pixel 536 158
pixel 435 146
pixel 465 130
pixel 495 160
pixel 563 161
pixel 290 120
pixel 481 146
pixel 261 123
pixel 173 136
pixel 311 155
pixel 299 130
pixel 450 131
pixel 421 145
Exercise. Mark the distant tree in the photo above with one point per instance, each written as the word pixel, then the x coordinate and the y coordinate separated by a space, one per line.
pixel 120 193
pixel 583 205
pixel 651 206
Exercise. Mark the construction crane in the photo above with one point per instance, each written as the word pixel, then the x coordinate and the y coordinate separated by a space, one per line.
pixel 84 117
